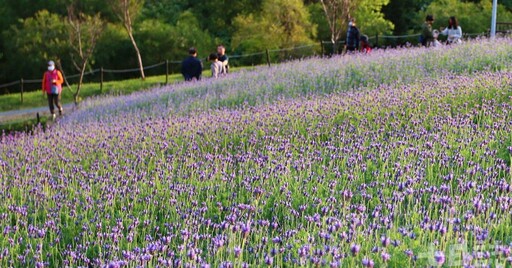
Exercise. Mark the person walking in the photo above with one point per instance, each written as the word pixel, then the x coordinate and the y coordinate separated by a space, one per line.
pixel 453 31
pixel 223 58
pixel 52 86
pixel 353 36
pixel 427 37
pixel 191 67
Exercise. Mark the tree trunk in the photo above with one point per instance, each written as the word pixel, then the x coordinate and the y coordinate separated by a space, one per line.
pixel 334 41
pixel 139 58
pixel 79 86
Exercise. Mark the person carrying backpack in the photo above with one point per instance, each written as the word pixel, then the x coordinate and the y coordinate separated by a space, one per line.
pixel 52 86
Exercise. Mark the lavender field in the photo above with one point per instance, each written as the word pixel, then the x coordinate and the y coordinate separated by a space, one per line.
pixel 396 159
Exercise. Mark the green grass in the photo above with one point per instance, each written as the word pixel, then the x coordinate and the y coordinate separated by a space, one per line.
pixel 35 99
pixel 25 124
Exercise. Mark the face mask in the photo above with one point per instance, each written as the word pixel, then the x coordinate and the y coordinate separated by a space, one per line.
pixel 51 68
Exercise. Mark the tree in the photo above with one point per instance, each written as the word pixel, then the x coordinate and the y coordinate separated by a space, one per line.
pixel 189 33
pixel 281 24
pixel 217 16
pixel 127 11
pixel 338 13
pixel 403 14
pixel 167 11
pixel 370 18
pixel 84 31
pixel 472 17
pixel 29 45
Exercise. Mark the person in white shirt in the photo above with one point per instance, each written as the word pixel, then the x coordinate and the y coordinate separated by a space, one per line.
pixel 454 31
pixel 436 42
pixel 216 65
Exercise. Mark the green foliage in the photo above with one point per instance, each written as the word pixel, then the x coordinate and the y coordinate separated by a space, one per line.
pixel 403 14
pixel 32 43
pixel 160 41
pixel 156 40
pixel 217 16
pixel 318 18
pixel 507 4
pixel 472 17
pixel 370 18
pixel 163 10
pixel 165 30
pixel 281 24
pixel 113 45
pixel 190 34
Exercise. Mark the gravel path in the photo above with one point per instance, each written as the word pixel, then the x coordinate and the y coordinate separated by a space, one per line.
pixel 26 113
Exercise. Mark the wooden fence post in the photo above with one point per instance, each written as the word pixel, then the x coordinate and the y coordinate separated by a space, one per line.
pixel 268 57
pixel 21 88
pixel 166 72
pixel 101 79
pixel 38 118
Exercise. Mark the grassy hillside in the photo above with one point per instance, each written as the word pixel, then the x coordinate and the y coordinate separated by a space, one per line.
pixel 399 158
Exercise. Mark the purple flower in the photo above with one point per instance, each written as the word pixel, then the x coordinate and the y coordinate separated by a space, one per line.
pixel 368 262
pixel 439 257
pixel 355 249
pixel 385 241
pixel 237 251
pixel 226 264
pixel 269 260
pixel 385 256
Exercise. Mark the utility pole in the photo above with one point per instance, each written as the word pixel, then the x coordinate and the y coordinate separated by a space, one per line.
pixel 493 20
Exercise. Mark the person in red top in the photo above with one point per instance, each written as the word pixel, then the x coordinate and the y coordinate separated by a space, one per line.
pixel 52 86
pixel 365 44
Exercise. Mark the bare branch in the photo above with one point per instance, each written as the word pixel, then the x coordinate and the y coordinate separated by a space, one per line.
pixel 84 31
pixel 337 13
pixel 127 11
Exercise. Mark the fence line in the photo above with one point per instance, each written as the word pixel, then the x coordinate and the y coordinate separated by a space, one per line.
pixel 167 62
pixel 120 71
pixel 247 55
pixel 10 84
pixel 290 48
pixel 397 36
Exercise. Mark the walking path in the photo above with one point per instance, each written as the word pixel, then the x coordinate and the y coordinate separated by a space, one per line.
pixel 31 112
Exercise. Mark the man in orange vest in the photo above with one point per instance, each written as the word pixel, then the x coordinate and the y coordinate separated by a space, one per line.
pixel 52 86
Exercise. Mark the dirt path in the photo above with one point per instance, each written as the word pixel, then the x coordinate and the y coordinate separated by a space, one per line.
pixel 27 113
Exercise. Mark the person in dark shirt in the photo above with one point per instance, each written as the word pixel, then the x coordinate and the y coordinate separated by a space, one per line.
pixel 353 36
pixel 427 36
pixel 221 52
pixel 192 67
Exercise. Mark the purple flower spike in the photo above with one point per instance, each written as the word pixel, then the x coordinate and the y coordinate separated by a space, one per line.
pixel 385 256
pixel 439 257
pixel 269 260
pixel 355 249
pixel 385 241
pixel 368 263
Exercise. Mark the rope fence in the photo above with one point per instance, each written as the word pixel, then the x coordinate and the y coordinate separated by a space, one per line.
pixel 22 82
pixel 267 56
